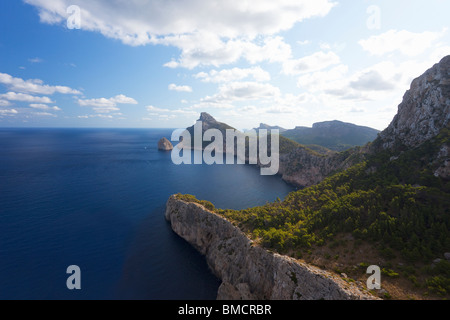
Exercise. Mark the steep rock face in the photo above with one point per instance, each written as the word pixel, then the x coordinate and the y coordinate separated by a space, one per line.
pixel 303 168
pixel 442 162
pixel 248 271
pixel 423 114
pixel 425 109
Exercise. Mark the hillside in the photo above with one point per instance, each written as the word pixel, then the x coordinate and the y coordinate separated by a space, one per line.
pixel 334 135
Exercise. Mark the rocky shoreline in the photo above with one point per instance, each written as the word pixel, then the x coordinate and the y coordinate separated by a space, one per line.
pixel 248 271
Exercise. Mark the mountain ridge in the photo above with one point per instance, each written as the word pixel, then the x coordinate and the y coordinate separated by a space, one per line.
pixel 335 135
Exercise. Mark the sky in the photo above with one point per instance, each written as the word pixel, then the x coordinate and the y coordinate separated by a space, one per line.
pixel 160 63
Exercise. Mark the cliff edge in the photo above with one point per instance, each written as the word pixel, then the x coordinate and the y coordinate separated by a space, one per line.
pixel 247 271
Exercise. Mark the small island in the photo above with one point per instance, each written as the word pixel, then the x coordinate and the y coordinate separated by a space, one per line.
pixel 165 145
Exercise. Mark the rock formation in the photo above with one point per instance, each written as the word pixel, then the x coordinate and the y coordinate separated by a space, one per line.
pixel 423 114
pixel 248 271
pixel 425 109
pixel 303 168
pixel 165 145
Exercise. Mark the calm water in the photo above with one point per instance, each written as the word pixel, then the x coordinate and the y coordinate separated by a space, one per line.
pixel 96 198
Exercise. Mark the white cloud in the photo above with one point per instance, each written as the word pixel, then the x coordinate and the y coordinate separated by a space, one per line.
pixel 43 107
pixel 207 32
pixel 406 42
pixel 8 112
pixel 315 62
pixel 23 97
pixel 102 116
pixel 155 109
pixel 36 60
pixel 372 81
pixel 440 52
pixel 280 110
pixel 318 81
pixel 304 42
pixel 122 99
pixel 243 91
pixel 44 114
pixel 235 74
pixel 167 113
pixel 4 103
pixel 174 87
pixel 33 86
pixel 272 49
pixel 207 48
pixel 97 103
pixel 104 105
pixel 140 21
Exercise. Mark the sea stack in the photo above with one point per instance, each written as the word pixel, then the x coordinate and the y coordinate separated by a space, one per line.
pixel 165 145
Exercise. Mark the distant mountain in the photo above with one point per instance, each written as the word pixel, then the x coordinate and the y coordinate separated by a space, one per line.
pixel 264 126
pixel 334 135
pixel 209 122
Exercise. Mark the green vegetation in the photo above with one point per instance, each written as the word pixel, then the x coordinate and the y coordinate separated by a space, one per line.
pixel 333 135
pixel 320 149
pixel 190 198
pixel 287 145
pixel 396 205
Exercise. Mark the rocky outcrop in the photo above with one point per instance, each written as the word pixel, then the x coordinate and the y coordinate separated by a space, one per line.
pixel 425 109
pixel 303 168
pixel 165 145
pixel 248 271
pixel 423 114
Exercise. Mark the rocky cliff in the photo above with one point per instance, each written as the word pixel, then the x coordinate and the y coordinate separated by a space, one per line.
pixel 304 168
pixel 248 271
pixel 422 115
pixel 424 111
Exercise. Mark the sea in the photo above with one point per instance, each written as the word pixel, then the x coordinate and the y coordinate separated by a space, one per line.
pixel 95 198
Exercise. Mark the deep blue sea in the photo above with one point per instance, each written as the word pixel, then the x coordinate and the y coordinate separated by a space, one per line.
pixel 96 198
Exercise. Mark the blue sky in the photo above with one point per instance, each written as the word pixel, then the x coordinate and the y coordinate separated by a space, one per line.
pixel 154 63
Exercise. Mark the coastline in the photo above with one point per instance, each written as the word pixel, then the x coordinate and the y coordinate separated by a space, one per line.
pixel 248 271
